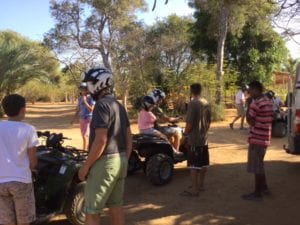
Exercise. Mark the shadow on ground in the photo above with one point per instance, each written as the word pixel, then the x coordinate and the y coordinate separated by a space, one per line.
pixel 219 204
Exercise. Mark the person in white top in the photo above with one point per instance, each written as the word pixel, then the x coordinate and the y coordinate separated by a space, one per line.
pixel 18 141
pixel 240 102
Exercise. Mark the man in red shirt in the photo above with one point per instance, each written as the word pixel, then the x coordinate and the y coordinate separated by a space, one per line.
pixel 259 116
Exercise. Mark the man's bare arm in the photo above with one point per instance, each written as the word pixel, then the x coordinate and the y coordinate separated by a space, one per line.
pixel 128 142
pixel 32 158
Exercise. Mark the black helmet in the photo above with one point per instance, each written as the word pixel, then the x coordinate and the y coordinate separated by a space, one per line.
pixel 270 94
pixel 158 94
pixel 148 101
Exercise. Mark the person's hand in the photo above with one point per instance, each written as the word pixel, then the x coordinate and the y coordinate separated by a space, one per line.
pixel 84 98
pixel 83 172
pixel 178 118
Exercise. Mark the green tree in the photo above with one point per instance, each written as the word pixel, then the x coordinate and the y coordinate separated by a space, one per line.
pixel 229 16
pixel 171 51
pixel 256 55
pixel 90 24
pixel 22 60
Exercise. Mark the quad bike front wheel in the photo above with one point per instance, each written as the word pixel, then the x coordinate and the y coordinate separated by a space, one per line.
pixel 159 169
pixel 74 205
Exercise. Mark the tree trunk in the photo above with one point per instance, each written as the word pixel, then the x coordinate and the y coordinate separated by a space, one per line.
pixel 124 100
pixel 223 27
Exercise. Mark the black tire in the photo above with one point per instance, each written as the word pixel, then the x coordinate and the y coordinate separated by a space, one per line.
pixel 279 129
pixel 74 205
pixel 159 169
pixel 134 163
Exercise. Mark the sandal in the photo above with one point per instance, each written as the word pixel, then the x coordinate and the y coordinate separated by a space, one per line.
pixel 188 194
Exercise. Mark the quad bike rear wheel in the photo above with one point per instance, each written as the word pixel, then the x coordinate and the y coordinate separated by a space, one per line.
pixel 279 129
pixel 74 205
pixel 159 169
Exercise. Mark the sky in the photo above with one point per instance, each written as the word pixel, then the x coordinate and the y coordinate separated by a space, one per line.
pixel 31 18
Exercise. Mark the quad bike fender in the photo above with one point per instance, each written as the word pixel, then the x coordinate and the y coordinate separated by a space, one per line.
pixel 149 149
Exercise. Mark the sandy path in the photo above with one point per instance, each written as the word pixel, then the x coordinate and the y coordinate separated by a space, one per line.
pixel 226 180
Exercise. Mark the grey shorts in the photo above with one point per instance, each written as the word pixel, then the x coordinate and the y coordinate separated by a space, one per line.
pixel 17 203
pixel 256 154
pixel 240 110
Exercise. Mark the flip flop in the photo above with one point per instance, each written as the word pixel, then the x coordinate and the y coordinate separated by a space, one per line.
pixel 188 194
pixel 201 189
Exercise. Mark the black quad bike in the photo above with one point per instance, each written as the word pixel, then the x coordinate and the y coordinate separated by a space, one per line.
pixel 155 156
pixel 279 125
pixel 56 184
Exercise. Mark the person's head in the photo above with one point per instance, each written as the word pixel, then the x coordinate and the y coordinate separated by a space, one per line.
pixel 83 88
pixel 14 106
pixel 196 89
pixel 99 81
pixel 270 94
pixel 244 87
pixel 158 96
pixel 148 102
pixel 256 89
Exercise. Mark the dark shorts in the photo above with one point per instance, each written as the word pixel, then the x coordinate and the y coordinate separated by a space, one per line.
pixel 198 157
pixel 256 154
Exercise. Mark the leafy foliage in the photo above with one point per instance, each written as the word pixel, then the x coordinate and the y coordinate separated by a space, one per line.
pixel 22 60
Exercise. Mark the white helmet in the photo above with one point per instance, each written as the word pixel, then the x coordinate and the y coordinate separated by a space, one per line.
pixel 97 79
pixel 158 94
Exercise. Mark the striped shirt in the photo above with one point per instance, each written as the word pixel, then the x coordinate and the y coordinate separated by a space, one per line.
pixel 261 111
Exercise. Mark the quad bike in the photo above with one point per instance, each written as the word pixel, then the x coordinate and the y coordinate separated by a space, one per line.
pixel 155 156
pixel 56 185
pixel 279 125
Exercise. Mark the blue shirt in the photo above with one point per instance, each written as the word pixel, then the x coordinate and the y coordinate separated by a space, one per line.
pixel 84 112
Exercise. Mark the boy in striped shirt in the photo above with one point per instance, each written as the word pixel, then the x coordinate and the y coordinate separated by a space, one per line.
pixel 259 116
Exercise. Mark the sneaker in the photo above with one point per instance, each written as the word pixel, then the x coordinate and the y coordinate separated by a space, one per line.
pixel 243 128
pixel 252 197
pixel 231 126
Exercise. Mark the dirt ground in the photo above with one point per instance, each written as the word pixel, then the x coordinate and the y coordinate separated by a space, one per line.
pixel 227 180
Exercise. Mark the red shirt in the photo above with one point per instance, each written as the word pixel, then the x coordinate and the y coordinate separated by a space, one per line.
pixel 261 111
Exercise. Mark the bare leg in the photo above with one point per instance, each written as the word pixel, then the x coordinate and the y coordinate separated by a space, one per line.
pixel 195 178
pixel 85 141
pixel 177 138
pixel 242 121
pixel 235 119
pixel 201 177
pixel 117 215
pixel 92 219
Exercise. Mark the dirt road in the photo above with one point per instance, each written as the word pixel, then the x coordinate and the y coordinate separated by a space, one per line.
pixel 227 180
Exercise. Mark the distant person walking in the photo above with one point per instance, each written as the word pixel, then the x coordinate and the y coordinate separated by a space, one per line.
pixel 110 147
pixel 18 141
pixel 240 103
pixel 259 117
pixel 197 124
pixel 84 109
